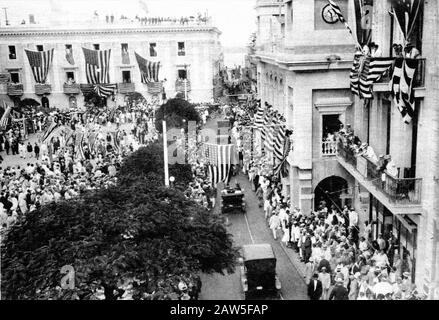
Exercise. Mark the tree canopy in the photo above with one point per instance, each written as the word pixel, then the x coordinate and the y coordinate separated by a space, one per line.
pixel 176 111
pixel 137 237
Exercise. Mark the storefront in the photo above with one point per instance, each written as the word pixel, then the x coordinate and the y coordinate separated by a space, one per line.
pixel 403 228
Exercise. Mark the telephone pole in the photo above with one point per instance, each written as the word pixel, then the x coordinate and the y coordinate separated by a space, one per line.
pixel 6 15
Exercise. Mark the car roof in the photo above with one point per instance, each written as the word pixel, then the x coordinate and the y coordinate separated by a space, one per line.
pixel 257 252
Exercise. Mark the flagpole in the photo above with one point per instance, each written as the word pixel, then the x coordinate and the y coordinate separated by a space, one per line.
pixel 165 153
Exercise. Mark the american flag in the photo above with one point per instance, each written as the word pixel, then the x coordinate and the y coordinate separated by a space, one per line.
pixel 280 138
pixel 373 70
pixel 40 62
pixel 271 132
pixel 5 118
pixel 259 116
pixel 97 65
pixel 355 73
pixel 149 71
pixel 219 170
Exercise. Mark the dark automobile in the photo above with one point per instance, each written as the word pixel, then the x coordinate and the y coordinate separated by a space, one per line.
pixel 258 271
pixel 232 200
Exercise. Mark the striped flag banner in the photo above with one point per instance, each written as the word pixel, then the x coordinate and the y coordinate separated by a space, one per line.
pixel 407 96
pixel 267 119
pixel 335 7
pixel 40 62
pixel 97 65
pixel 49 131
pixel 149 71
pixel 271 132
pixel 105 90
pixel 355 73
pixel 373 70
pixel 279 141
pixel 281 170
pixel 259 116
pixel 5 117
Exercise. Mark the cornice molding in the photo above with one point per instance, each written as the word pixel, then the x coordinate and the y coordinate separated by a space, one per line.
pixel 61 32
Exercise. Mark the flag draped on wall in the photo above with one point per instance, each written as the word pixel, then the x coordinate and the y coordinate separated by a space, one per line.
pixel 40 63
pixel 259 116
pixel 149 70
pixel 5 117
pixel 281 170
pixel 406 13
pixel 97 65
pixel 355 72
pixel 280 138
pixel 69 56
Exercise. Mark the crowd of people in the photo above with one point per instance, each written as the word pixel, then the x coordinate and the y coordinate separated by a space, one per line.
pixel 340 262
pixel 55 169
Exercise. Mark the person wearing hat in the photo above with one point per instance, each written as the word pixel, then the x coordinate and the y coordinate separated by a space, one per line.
pixel 411 52
pixel 339 292
pixel 315 288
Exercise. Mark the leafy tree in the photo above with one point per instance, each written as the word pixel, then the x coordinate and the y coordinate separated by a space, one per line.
pixel 176 111
pixel 137 232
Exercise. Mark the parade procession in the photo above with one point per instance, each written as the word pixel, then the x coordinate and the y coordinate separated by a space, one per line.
pixel 163 156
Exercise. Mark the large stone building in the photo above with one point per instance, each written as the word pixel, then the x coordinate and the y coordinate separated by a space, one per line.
pixel 191 50
pixel 303 68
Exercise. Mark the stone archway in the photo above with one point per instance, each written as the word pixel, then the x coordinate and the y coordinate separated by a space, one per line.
pixel 331 190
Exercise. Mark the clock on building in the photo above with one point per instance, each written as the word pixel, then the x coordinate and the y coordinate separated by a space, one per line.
pixel 328 15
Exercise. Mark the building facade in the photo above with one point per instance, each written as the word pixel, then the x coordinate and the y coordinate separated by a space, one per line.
pixel 189 51
pixel 303 68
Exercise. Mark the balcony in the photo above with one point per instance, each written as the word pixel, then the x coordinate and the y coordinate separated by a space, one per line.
pixel 329 148
pixel 401 196
pixel 43 88
pixel 399 191
pixel 126 87
pixel 73 88
pixel 155 88
pixel 182 85
pixel 15 89
pixel 418 82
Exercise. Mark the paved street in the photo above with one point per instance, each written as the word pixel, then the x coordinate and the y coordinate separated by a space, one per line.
pixel 247 229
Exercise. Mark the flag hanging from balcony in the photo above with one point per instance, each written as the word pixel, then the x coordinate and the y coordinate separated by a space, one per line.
pixel 40 63
pixel 401 87
pixel 105 90
pixel 5 117
pixel 149 71
pixel 372 71
pixel 97 65
pixel 267 119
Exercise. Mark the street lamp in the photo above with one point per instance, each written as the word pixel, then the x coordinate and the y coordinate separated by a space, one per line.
pixel 172 180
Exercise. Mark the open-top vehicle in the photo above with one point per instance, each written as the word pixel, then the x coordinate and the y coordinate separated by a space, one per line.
pixel 232 200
